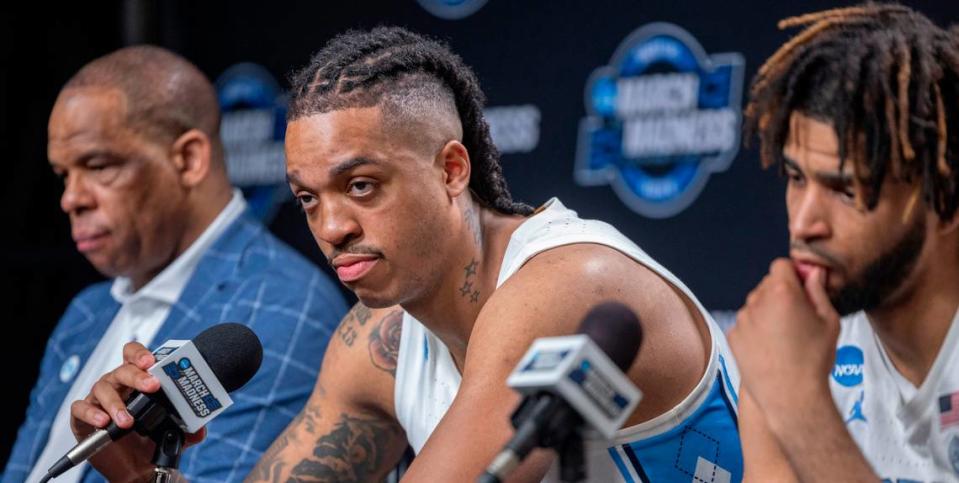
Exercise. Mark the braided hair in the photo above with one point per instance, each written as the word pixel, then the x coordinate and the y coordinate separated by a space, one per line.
pixel 887 78
pixel 361 69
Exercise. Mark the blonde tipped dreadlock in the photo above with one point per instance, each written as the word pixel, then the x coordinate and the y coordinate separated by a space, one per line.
pixel 887 79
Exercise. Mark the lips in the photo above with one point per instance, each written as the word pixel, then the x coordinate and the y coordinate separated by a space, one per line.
pixel 350 268
pixel 805 268
pixel 89 241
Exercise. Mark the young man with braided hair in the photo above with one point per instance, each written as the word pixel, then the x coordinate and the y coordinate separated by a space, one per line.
pixel 849 350
pixel 391 160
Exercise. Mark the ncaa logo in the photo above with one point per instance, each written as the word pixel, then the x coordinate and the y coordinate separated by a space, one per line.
pixel 452 9
pixel 848 370
pixel 661 117
pixel 253 129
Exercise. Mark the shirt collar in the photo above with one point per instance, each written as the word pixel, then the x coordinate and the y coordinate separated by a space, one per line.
pixel 169 283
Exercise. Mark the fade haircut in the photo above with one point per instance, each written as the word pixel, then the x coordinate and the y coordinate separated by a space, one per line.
pixel 411 77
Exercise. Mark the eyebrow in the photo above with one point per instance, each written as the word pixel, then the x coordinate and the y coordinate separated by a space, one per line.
pixel 829 178
pixel 85 158
pixel 292 177
pixel 349 164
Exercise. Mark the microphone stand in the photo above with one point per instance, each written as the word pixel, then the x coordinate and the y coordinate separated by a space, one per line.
pixel 543 422
pixel 169 440
pixel 572 468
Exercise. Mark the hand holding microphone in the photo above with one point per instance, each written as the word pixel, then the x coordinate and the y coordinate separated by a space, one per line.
pixel 196 377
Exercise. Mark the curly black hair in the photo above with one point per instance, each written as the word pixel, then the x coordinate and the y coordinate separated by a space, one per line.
pixel 361 68
pixel 887 78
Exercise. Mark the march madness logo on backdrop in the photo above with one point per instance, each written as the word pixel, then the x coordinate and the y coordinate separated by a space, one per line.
pixel 661 117
pixel 253 129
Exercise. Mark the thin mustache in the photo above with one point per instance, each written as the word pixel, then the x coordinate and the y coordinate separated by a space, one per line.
pixel 805 247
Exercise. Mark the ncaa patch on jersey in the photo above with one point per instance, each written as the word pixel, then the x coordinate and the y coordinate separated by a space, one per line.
pixel 849 366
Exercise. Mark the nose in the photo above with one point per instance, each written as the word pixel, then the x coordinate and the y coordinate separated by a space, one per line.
pixel 337 224
pixel 808 214
pixel 76 196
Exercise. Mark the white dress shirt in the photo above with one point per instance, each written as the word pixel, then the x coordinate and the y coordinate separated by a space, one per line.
pixel 139 319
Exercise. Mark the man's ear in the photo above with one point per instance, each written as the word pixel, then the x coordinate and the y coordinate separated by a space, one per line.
pixel 948 226
pixel 455 161
pixel 191 154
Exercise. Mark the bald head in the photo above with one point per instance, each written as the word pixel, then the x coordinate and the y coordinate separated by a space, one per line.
pixel 165 94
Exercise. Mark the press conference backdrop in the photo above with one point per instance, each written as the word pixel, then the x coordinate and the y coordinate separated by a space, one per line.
pixel 628 111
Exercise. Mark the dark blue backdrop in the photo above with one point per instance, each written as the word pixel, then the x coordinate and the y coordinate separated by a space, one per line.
pixel 526 53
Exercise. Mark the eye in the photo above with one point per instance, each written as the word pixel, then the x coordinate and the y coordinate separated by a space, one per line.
pixel 794 178
pixel 103 170
pixel 846 194
pixel 306 201
pixel 360 187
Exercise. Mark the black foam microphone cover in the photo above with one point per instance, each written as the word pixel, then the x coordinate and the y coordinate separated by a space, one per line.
pixel 232 351
pixel 615 328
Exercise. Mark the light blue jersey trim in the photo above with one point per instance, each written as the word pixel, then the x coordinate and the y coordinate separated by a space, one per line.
pixel 729 384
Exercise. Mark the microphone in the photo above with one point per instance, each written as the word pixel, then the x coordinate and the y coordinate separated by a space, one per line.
pixel 195 377
pixel 570 380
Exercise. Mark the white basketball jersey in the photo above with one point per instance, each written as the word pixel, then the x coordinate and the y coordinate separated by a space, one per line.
pixel 696 441
pixel 907 434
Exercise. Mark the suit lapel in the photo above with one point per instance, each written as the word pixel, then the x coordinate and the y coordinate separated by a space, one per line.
pixel 215 274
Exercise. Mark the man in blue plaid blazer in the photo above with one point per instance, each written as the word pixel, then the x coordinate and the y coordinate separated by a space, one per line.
pixel 186 254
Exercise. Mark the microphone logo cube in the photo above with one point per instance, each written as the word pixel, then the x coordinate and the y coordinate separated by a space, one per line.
pixel 576 369
pixel 191 386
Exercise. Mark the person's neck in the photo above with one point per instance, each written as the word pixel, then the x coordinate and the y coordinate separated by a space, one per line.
pixel 451 309
pixel 198 217
pixel 912 330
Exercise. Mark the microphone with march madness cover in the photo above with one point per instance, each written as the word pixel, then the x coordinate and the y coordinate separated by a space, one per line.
pixel 195 377
pixel 570 380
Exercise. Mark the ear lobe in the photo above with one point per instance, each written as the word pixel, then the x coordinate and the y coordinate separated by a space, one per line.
pixel 949 226
pixel 456 164
pixel 191 154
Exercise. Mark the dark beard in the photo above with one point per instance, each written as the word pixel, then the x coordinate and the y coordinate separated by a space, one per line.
pixel 880 279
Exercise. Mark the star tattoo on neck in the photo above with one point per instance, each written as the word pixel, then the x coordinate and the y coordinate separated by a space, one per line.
pixel 471 268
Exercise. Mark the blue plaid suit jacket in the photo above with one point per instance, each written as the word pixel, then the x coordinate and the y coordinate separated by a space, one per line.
pixel 246 276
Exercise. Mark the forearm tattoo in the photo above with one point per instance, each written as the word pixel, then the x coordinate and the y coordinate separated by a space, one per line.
pixel 354 451
pixel 271 465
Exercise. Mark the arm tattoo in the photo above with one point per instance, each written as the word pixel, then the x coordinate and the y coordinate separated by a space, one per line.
pixel 358 316
pixel 385 342
pixel 271 464
pixel 353 451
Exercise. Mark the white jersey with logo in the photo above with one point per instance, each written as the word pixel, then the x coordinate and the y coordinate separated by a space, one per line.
pixel 696 441
pixel 907 434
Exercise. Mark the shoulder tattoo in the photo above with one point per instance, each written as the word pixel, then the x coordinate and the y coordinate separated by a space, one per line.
pixel 385 342
pixel 349 327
